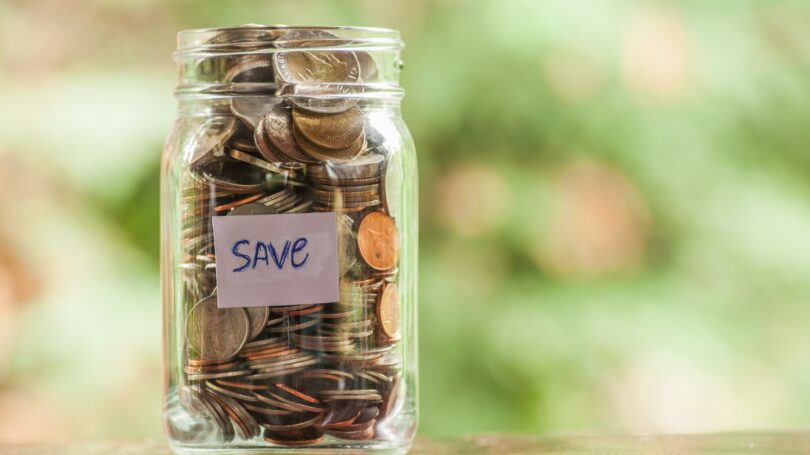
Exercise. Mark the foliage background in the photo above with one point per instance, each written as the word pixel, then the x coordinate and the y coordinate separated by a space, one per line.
pixel 615 209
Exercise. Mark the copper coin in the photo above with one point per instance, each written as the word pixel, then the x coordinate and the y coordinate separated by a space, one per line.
pixel 378 241
pixel 229 405
pixel 331 132
pixel 231 393
pixel 220 416
pixel 388 311
pixel 238 203
pixel 214 333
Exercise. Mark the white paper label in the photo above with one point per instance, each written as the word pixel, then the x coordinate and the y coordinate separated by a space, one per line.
pixel 274 260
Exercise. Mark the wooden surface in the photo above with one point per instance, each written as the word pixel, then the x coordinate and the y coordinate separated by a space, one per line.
pixel 731 443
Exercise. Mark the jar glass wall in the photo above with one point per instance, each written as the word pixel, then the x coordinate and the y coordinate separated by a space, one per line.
pixel 275 122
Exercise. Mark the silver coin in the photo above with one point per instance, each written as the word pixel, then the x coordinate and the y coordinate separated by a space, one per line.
pixel 209 138
pixel 251 109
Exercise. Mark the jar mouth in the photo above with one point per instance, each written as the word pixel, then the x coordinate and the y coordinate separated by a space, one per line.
pixel 255 38
pixel 318 62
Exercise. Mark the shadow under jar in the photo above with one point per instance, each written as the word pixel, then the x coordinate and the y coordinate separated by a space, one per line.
pixel 300 337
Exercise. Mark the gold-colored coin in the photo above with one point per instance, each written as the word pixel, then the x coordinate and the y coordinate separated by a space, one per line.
pixel 378 241
pixel 388 311
pixel 332 132
pixel 296 65
pixel 331 155
pixel 214 333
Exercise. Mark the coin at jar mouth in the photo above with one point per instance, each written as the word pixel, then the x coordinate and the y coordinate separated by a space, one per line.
pixel 334 99
pixel 298 66
pixel 369 71
pixel 331 132
pixel 209 138
pixel 378 241
pixel 254 68
pixel 214 333
pixel 251 109
pixel 246 35
pixel 388 315
pixel 275 137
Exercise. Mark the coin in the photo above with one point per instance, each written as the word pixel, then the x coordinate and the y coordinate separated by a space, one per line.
pixel 251 109
pixel 378 241
pixel 214 333
pixel 331 132
pixel 388 314
pixel 364 168
pixel 227 174
pixel 209 138
pixel 347 245
pixel 392 185
pixel 297 65
pixel 220 417
pixel 391 398
pixel 255 68
pixel 320 154
pixel 333 100
pixel 258 318
pixel 276 138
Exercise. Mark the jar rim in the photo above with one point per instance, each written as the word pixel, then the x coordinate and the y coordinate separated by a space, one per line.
pixel 271 38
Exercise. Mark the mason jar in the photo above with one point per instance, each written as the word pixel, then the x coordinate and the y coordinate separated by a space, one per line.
pixel 289 244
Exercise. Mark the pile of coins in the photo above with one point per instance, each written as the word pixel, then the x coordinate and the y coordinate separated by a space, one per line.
pixel 293 375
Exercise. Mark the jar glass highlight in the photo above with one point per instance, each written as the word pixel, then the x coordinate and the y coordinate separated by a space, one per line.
pixel 274 122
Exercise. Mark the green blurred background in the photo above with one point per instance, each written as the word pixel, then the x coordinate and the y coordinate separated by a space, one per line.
pixel 615 209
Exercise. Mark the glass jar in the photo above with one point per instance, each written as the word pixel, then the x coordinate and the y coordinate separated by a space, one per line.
pixel 289 243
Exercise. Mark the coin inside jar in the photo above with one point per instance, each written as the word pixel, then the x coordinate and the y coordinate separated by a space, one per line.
pixel 298 65
pixel 216 334
pixel 378 241
pixel 330 131
pixel 388 314
pixel 275 138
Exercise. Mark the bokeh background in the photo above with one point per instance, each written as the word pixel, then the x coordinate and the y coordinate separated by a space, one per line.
pixel 615 228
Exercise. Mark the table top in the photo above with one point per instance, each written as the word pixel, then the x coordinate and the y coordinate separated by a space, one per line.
pixel 723 443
